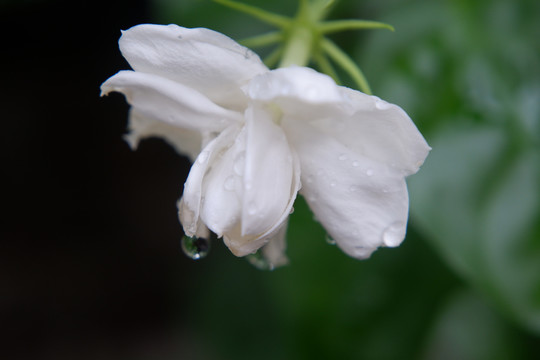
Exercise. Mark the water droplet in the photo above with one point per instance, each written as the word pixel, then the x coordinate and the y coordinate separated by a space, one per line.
pixel 333 184
pixel 356 163
pixel 194 247
pixel 353 188
pixel 252 208
pixel 229 183
pixel 381 104
pixel 329 240
pixel 292 211
pixel 309 179
pixel 240 164
pixel 259 261
pixel 393 235
pixel 369 172
pixel 201 159
pixel 342 157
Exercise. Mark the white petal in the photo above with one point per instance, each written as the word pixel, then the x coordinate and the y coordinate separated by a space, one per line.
pixel 222 189
pixel 272 242
pixel 299 91
pixel 366 124
pixel 190 205
pixel 170 102
pixel 185 142
pixel 362 203
pixel 379 130
pixel 203 59
pixel 269 178
pixel 271 183
pixel 274 250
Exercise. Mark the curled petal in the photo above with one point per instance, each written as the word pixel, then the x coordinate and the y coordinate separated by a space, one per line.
pixel 202 59
pixel 362 203
pixel 269 173
pixel 190 206
pixel 185 142
pixel 271 182
pixel 173 103
pixel 222 187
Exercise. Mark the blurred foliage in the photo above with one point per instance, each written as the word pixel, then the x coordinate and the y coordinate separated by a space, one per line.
pixel 466 282
pixel 470 74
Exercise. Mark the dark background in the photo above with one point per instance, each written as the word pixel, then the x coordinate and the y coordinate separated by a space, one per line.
pixel 78 276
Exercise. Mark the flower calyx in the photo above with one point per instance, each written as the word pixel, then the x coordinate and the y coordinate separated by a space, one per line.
pixel 303 38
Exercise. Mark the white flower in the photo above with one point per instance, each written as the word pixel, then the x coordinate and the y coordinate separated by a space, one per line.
pixel 258 137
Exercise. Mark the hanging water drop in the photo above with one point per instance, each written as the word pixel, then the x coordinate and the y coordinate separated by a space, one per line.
pixel 381 104
pixel 393 235
pixel 194 247
pixel 259 261
pixel 252 208
pixel 329 240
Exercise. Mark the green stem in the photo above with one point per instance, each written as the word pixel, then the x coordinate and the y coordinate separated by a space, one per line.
pixel 263 15
pixel 298 47
pixel 263 40
pixel 328 27
pixel 326 67
pixel 271 60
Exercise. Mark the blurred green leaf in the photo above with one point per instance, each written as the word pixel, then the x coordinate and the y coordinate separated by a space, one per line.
pixel 467 329
pixel 482 214
pixel 477 198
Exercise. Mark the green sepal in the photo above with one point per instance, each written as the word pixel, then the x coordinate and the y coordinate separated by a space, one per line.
pixel 263 15
pixel 328 27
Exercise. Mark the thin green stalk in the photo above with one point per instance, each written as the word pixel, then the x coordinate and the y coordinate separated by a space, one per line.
pixel 342 59
pixel 328 27
pixel 326 67
pixel 263 40
pixel 263 15
pixel 271 60
pixel 297 49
